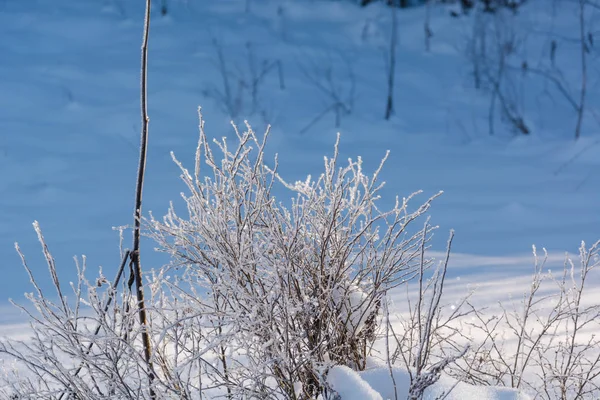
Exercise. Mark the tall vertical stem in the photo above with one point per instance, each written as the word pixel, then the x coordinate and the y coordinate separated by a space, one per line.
pixel 135 254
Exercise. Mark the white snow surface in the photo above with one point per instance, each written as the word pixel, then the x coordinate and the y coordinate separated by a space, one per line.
pixel 376 384
pixel 69 128
pixel 350 385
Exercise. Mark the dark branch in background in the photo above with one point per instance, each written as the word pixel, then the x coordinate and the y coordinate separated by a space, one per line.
pixel 337 90
pixel 427 27
pixel 242 85
pixel 584 50
pixel 135 265
pixel 389 107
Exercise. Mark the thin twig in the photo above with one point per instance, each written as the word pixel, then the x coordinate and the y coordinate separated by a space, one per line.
pixel 111 295
pixel 135 253
pixel 387 346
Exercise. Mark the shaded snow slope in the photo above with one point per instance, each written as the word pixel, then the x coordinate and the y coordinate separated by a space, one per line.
pixel 69 121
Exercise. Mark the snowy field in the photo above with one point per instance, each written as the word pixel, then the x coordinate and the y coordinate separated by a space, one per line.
pixel 69 125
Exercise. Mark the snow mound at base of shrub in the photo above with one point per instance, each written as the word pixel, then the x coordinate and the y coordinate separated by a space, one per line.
pixel 350 385
pixel 376 384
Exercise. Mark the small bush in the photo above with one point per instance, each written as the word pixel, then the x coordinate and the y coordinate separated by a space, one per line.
pixel 297 289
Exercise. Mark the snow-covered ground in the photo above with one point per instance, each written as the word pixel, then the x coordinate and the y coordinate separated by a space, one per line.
pixel 69 124
pixel 377 384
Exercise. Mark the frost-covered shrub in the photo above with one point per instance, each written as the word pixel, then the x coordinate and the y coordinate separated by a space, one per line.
pixel 546 342
pixel 288 290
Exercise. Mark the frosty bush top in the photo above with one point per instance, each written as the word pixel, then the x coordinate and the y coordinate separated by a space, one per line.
pixel 292 289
